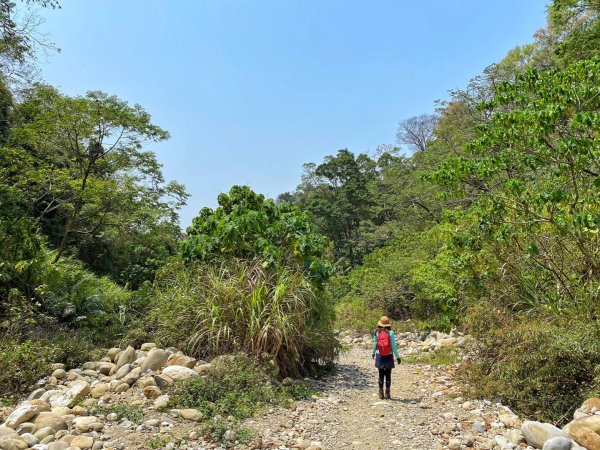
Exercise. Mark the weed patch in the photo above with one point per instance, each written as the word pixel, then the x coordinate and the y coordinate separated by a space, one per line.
pixel 442 357
pixel 133 413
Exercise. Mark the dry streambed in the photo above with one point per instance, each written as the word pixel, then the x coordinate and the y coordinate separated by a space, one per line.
pixel 122 401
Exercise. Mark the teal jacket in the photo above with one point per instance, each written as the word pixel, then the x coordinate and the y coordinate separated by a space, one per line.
pixel 393 341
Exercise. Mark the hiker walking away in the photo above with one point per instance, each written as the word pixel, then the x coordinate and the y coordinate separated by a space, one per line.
pixel 384 350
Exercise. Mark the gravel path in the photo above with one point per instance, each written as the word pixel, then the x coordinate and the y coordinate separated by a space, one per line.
pixel 349 413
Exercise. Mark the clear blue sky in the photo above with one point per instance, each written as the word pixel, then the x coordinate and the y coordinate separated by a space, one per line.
pixel 251 90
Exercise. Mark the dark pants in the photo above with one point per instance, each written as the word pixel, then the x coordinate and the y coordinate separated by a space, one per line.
pixel 387 374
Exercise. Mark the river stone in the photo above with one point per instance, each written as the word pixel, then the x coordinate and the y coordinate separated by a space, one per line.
pixel 132 376
pixel 152 392
pixel 13 444
pixel 8 433
pixel 59 374
pixel 50 419
pixel 161 402
pixel 126 357
pixel 77 391
pixel 514 436
pixel 123 370
pixel 163 380
pixel 87 423
pixel 105 367
pixel 43 433
pixel 145 382
pixel 123 387
pixel 585 431
pixel 35 395
pixel 156 359
pixel 558 443
pixel 58 445
pixel 191 414
pixel 113 352
pixel 83 442
pixel 203 368
pixel 26 427
pixel 90 365
pixel 536 433
pixel 147 346
pixel 180 373
pixel 589 404
pixel 99 390
pixel 26 411
pixel 30 439
pixel 183 360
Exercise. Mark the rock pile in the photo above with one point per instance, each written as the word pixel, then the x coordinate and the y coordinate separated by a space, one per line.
pixel 56 415
pixel 411 342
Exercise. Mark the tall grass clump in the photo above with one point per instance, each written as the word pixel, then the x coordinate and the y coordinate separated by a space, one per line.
pixel 213 309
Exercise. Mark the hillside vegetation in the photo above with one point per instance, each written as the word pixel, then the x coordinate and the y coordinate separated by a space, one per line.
pixel 484 216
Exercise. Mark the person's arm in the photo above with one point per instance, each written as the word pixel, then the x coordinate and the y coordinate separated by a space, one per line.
pixel 374 344
pixel 394 346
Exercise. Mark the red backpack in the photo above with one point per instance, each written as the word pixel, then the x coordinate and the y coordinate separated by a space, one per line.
pixel 384 344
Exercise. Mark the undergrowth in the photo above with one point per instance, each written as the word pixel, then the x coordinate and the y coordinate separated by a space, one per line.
pixel 442 357
pixel 235 387
pixel 133 413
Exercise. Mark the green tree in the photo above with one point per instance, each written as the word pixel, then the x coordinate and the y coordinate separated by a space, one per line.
pixel 336 193
pixel 82 164
pixel 245 225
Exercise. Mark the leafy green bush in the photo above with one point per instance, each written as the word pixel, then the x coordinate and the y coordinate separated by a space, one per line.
pixel 134 413
pixel 23 363
pixel 248 226
pixel 216 309
pixel 235 386
pixel 356 315
pixel 539 368
pixel 441 357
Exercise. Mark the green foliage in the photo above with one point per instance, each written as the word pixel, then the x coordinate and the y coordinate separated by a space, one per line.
pixel 134 413
pixel 541 368
pixel 23 363
pixel 444 356
pixel 211 309
pixel 235 386
pixel 247 226
pixel 353 313
pixel 87 182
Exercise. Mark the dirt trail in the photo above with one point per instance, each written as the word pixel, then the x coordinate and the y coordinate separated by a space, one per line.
pixel 349 414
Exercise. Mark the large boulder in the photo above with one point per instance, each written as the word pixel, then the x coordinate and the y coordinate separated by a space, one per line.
pixel 126 357
pixel 87 423
pixel 585 431
pixel 156 359
pixel 183 360
pixel 26 411
pixel 591 404
pixel 180 373
pixel 558 443
pixel 77 391
pixel 537 433
pixel 50 419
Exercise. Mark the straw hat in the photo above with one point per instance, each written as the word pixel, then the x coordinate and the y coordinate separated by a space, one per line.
pixel 384 322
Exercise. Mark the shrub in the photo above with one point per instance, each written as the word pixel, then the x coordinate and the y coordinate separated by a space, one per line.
pixel 540 368
pixel 23 363
pixel 134 413
pixel 239 305
pixel 442 357
pixel 356 315
pixel 235 386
